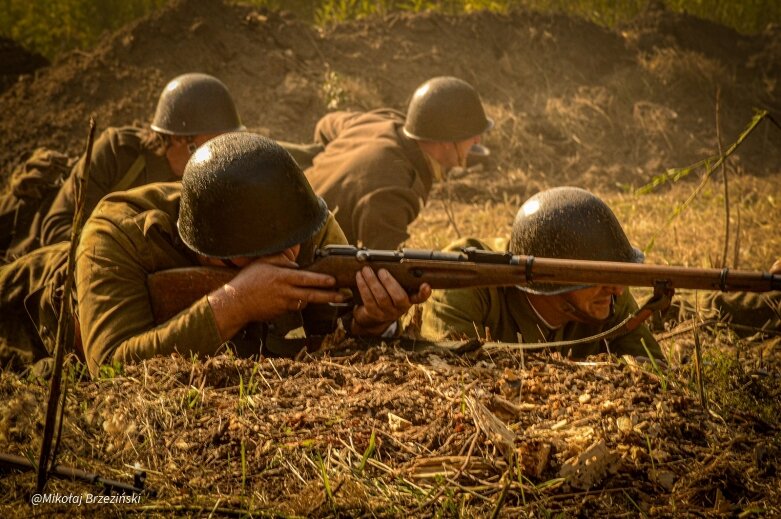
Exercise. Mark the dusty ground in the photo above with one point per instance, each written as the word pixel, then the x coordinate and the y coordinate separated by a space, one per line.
pixel 385 431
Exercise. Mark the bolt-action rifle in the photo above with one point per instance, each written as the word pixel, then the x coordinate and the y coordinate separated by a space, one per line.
pixel 176 289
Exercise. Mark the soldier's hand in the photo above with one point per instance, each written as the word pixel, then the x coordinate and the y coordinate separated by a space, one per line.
pixel 267 288
pixel 384 301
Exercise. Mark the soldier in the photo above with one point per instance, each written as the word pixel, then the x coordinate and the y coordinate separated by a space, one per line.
pixel 746 312
pixel 243 202
pixel 377 168
pixel 563 222
pixel 191 109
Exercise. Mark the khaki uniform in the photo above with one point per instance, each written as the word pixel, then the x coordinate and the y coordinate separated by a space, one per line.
pixel 505 314
pixel 129 235
pixel 30 291
pixel 756 311
pixel 374 178
pixel 115 167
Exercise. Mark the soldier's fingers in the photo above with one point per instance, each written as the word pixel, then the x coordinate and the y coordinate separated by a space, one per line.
pixel 384 299
pixel 395 291
pixel 304 278
pixel 424 292
pixel 375 287
pixel 300 298
pixel 278 260
pixel 367 296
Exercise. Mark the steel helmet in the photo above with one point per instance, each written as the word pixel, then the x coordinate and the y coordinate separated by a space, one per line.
pixel 446 109
pixel 193 104
pixel 569 223
pixel 244 195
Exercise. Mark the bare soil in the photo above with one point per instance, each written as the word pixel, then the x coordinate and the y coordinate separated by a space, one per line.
pixel 382 430
pixel 571 99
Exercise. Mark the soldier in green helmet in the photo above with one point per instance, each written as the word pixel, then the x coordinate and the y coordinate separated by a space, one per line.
pixel 377 168
pixel 567 223
pixel 244 203
pixel 192 108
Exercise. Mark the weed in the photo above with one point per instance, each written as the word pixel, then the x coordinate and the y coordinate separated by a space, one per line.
pixel 334 93
pixel 110 371
pixel 58 26
pixel 193 397
pixel 368 452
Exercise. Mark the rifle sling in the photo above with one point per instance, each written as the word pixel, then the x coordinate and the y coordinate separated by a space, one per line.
pixel 660 301
pixel 131 174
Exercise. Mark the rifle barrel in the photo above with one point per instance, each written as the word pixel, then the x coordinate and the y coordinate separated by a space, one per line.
pixel 474 268
pixel 174 290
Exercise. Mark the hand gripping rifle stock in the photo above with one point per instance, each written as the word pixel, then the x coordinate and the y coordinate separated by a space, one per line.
pixel 174 290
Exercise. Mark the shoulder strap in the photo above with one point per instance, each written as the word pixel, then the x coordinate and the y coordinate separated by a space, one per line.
pixel 131 175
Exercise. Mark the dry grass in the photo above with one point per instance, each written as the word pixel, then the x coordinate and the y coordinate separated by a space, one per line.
pixel 397 433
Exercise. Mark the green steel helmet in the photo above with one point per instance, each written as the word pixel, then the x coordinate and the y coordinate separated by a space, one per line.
pixel 194 104
pixel 569 223
pixel 446 109
pixel 244 195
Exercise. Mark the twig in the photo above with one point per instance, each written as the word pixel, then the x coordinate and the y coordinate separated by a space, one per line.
pixel 502 496
pixel 724 177
pixel 230 512
pixel 698 364
pixel 709 169
pixel 442 488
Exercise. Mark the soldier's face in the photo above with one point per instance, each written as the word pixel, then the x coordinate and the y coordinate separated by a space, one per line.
pixel 279 258
pixel 594 301
pixel 462 150
pixel 458 151
pixel 290 254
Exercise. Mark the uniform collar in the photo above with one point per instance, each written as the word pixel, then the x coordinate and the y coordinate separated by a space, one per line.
pixel 530 324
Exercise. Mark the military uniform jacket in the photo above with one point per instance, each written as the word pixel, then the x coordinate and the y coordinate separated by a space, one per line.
pixel 115 167
pixel 130 235
pixel 374 178
pixel 505 314
pixel 30 291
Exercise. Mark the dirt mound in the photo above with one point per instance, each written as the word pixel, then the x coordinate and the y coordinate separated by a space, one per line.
pixel 574 102
pixel 394 433
pixel 15 60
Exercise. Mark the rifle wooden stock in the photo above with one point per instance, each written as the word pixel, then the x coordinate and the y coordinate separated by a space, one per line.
pixel 174 290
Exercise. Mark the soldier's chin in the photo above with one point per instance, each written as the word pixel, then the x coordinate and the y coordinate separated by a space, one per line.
pixel 600 312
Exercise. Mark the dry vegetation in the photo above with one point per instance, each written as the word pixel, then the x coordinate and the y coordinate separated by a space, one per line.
pixel 393 429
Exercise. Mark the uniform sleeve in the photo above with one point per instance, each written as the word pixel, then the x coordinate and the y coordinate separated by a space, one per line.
pixel 632 342
pixel 103 176
pixel 114 306
pixel 454 314
pixel 381 217
pixel 331 125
